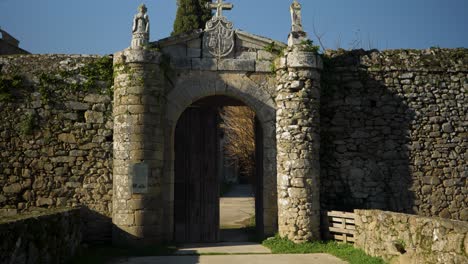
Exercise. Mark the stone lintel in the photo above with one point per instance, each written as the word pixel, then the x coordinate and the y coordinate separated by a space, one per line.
pixel 236 65
pixel 212 64
pixel 205 64
pixel 137 56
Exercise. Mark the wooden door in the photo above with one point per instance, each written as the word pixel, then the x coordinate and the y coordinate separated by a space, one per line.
pixel 196 197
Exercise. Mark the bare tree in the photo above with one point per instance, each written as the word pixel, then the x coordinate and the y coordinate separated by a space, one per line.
pixel 238 125
pixel 319 36
pixel 356 42
pixel 338 41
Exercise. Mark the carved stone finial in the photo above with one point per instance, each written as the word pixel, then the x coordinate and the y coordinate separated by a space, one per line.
pixel 141 28
pixel 297 34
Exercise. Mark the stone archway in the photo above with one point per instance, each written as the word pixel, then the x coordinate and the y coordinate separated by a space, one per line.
pixel 148 100
pixel 193 86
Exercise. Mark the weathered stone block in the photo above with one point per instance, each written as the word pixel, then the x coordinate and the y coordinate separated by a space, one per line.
pixel 246 55
pixel 236 65
pixel 78 153
pixel 175 51
pixel 302 59
pixel 124 219
pixel 263 66
pixel 71 116
pixel 136 204
pixel 408 75
pixel 73 184
pixel 94 117
pixel 147 218
pixel 194 44
pixel 97 98
pixel 61 201
pixel 76 105
pixel 447 128
pixel 193 53
pixel 281 63
pixel 265 55
pixel 137 56
pixel 136 109
pixel 205 64
pixel 44 201
pixel 181 63
pixel 297 192
pixel 63 159
pixel 12 188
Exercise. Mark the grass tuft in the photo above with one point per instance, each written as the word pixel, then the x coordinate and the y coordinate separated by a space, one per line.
pixel 345 252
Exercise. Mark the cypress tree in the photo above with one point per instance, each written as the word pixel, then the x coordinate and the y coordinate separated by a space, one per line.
pixel 191 15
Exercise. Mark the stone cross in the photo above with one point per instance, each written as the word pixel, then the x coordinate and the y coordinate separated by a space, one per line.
pixel 219 6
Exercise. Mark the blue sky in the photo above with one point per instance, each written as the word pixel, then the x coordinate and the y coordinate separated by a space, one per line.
pixel 104 26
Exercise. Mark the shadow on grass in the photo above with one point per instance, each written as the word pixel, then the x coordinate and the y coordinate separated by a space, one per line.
pixel 343 251
pixel 105 253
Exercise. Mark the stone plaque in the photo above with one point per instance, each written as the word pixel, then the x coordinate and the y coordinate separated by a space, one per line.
pixel 139 178
pixel 302 59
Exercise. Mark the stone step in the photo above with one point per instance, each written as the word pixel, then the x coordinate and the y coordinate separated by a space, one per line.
pixel 223 248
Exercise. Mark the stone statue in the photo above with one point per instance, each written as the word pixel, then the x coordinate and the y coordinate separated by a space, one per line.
pixel 297 35
pixel 296 17
pixel 141 28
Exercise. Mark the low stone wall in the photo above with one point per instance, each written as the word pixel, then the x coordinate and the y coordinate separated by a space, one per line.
pixel 403 238
pixel 48 238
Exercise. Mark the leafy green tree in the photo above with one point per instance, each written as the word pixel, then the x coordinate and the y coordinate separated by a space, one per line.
pixel 191 15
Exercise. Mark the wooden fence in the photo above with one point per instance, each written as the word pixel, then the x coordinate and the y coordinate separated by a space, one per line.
pixel 338 226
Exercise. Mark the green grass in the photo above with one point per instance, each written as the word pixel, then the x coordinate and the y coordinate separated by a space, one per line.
pixel 343 251
pixel 106 253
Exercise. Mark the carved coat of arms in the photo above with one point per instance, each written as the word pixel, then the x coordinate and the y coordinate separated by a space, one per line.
pixel 219 37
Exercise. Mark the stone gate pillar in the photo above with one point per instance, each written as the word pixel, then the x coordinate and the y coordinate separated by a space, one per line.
pixel 138 147
pixel 298 142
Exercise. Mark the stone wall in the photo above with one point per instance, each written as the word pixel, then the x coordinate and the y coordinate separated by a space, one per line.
pixel 56 136
pixel 402 238
pixel 54 237
pixel 394 131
